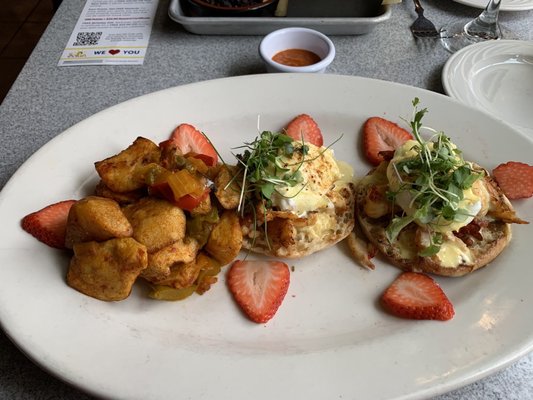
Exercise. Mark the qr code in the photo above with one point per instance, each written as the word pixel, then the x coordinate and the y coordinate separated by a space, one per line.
pixel 87 38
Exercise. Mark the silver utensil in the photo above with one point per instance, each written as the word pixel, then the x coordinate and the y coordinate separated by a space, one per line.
pixel 423 27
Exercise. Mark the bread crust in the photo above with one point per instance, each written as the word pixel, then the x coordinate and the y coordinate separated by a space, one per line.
pixel 491 236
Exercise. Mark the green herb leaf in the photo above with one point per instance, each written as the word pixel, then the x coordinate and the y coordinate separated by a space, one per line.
pixel 429 251
pixel 434 247
pixel 265 167
pixel 396 226
pixel 267 189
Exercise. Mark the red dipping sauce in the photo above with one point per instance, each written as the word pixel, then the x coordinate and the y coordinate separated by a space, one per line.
pixel 296 57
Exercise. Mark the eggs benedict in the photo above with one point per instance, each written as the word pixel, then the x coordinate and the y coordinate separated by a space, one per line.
pixel 426 209
pixel 295 198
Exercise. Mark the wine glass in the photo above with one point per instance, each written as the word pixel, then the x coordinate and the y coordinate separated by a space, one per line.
pixel 484 27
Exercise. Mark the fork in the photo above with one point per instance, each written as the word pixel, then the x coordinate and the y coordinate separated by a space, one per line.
pixel 423 27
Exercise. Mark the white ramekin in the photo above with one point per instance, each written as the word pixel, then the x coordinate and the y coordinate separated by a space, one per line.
pixel 297 38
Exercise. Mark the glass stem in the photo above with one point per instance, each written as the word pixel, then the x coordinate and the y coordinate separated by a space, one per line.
pixel 486 26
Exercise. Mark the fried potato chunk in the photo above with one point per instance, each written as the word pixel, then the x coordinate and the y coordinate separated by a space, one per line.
pixel 107 270
pixel 204 207
pixel 121 198
pixel 160 262
pixel 225 240
pixel 125 171
pixel 96 218
pixel 170 154
pixel 227 194
pixel 183 275
pixel 156 222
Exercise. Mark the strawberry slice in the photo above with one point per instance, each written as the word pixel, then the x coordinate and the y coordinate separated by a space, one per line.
pixel 259 287
pixel 417 296
pixel 190 140
pixel 515 179
pixel 304 127
pixel 49 224
pixel 382 135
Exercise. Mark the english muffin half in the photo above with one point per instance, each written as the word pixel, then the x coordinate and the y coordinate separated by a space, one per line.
pixel 462 251
pixel 284 234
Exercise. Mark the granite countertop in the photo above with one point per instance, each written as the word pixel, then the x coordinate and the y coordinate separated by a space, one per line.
pixel 46 99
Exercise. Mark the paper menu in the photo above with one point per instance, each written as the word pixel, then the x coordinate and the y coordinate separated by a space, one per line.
pixel 111 32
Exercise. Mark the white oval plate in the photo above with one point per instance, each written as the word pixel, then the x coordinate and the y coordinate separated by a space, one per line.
pixel 495 76
pixel 329 339
pixel 506 5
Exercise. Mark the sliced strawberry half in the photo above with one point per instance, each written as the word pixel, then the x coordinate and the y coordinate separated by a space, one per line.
pixel 304 127
pixel 259 287
pixel 381 135
pixel 190 140
pixel 515 179
pixel 417 296
pixel 49 224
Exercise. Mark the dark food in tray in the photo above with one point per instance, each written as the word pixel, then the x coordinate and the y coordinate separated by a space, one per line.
pixel 295 9
pixel 333 8
pixel 229 8
pixel 331 17
pixel 234 3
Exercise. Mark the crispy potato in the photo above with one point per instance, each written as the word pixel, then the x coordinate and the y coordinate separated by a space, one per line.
pixel 121 198
pixel 159 263
pixel 156 222
pixel 170 154
pixel 96 218
pixel 125 171
pixel 213 171
pixel 183 275
pixel 227 194
pixel 225 240
pixel 203 208
pixel 107 270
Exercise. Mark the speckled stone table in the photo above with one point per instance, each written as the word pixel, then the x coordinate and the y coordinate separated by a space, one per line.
pixel 46 99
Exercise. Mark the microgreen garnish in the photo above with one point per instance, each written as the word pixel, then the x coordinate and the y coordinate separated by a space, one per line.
pixel 266 167
pixel 435 180
pixel 263 170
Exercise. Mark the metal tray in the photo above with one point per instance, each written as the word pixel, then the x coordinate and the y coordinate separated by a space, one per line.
pixel 331 17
